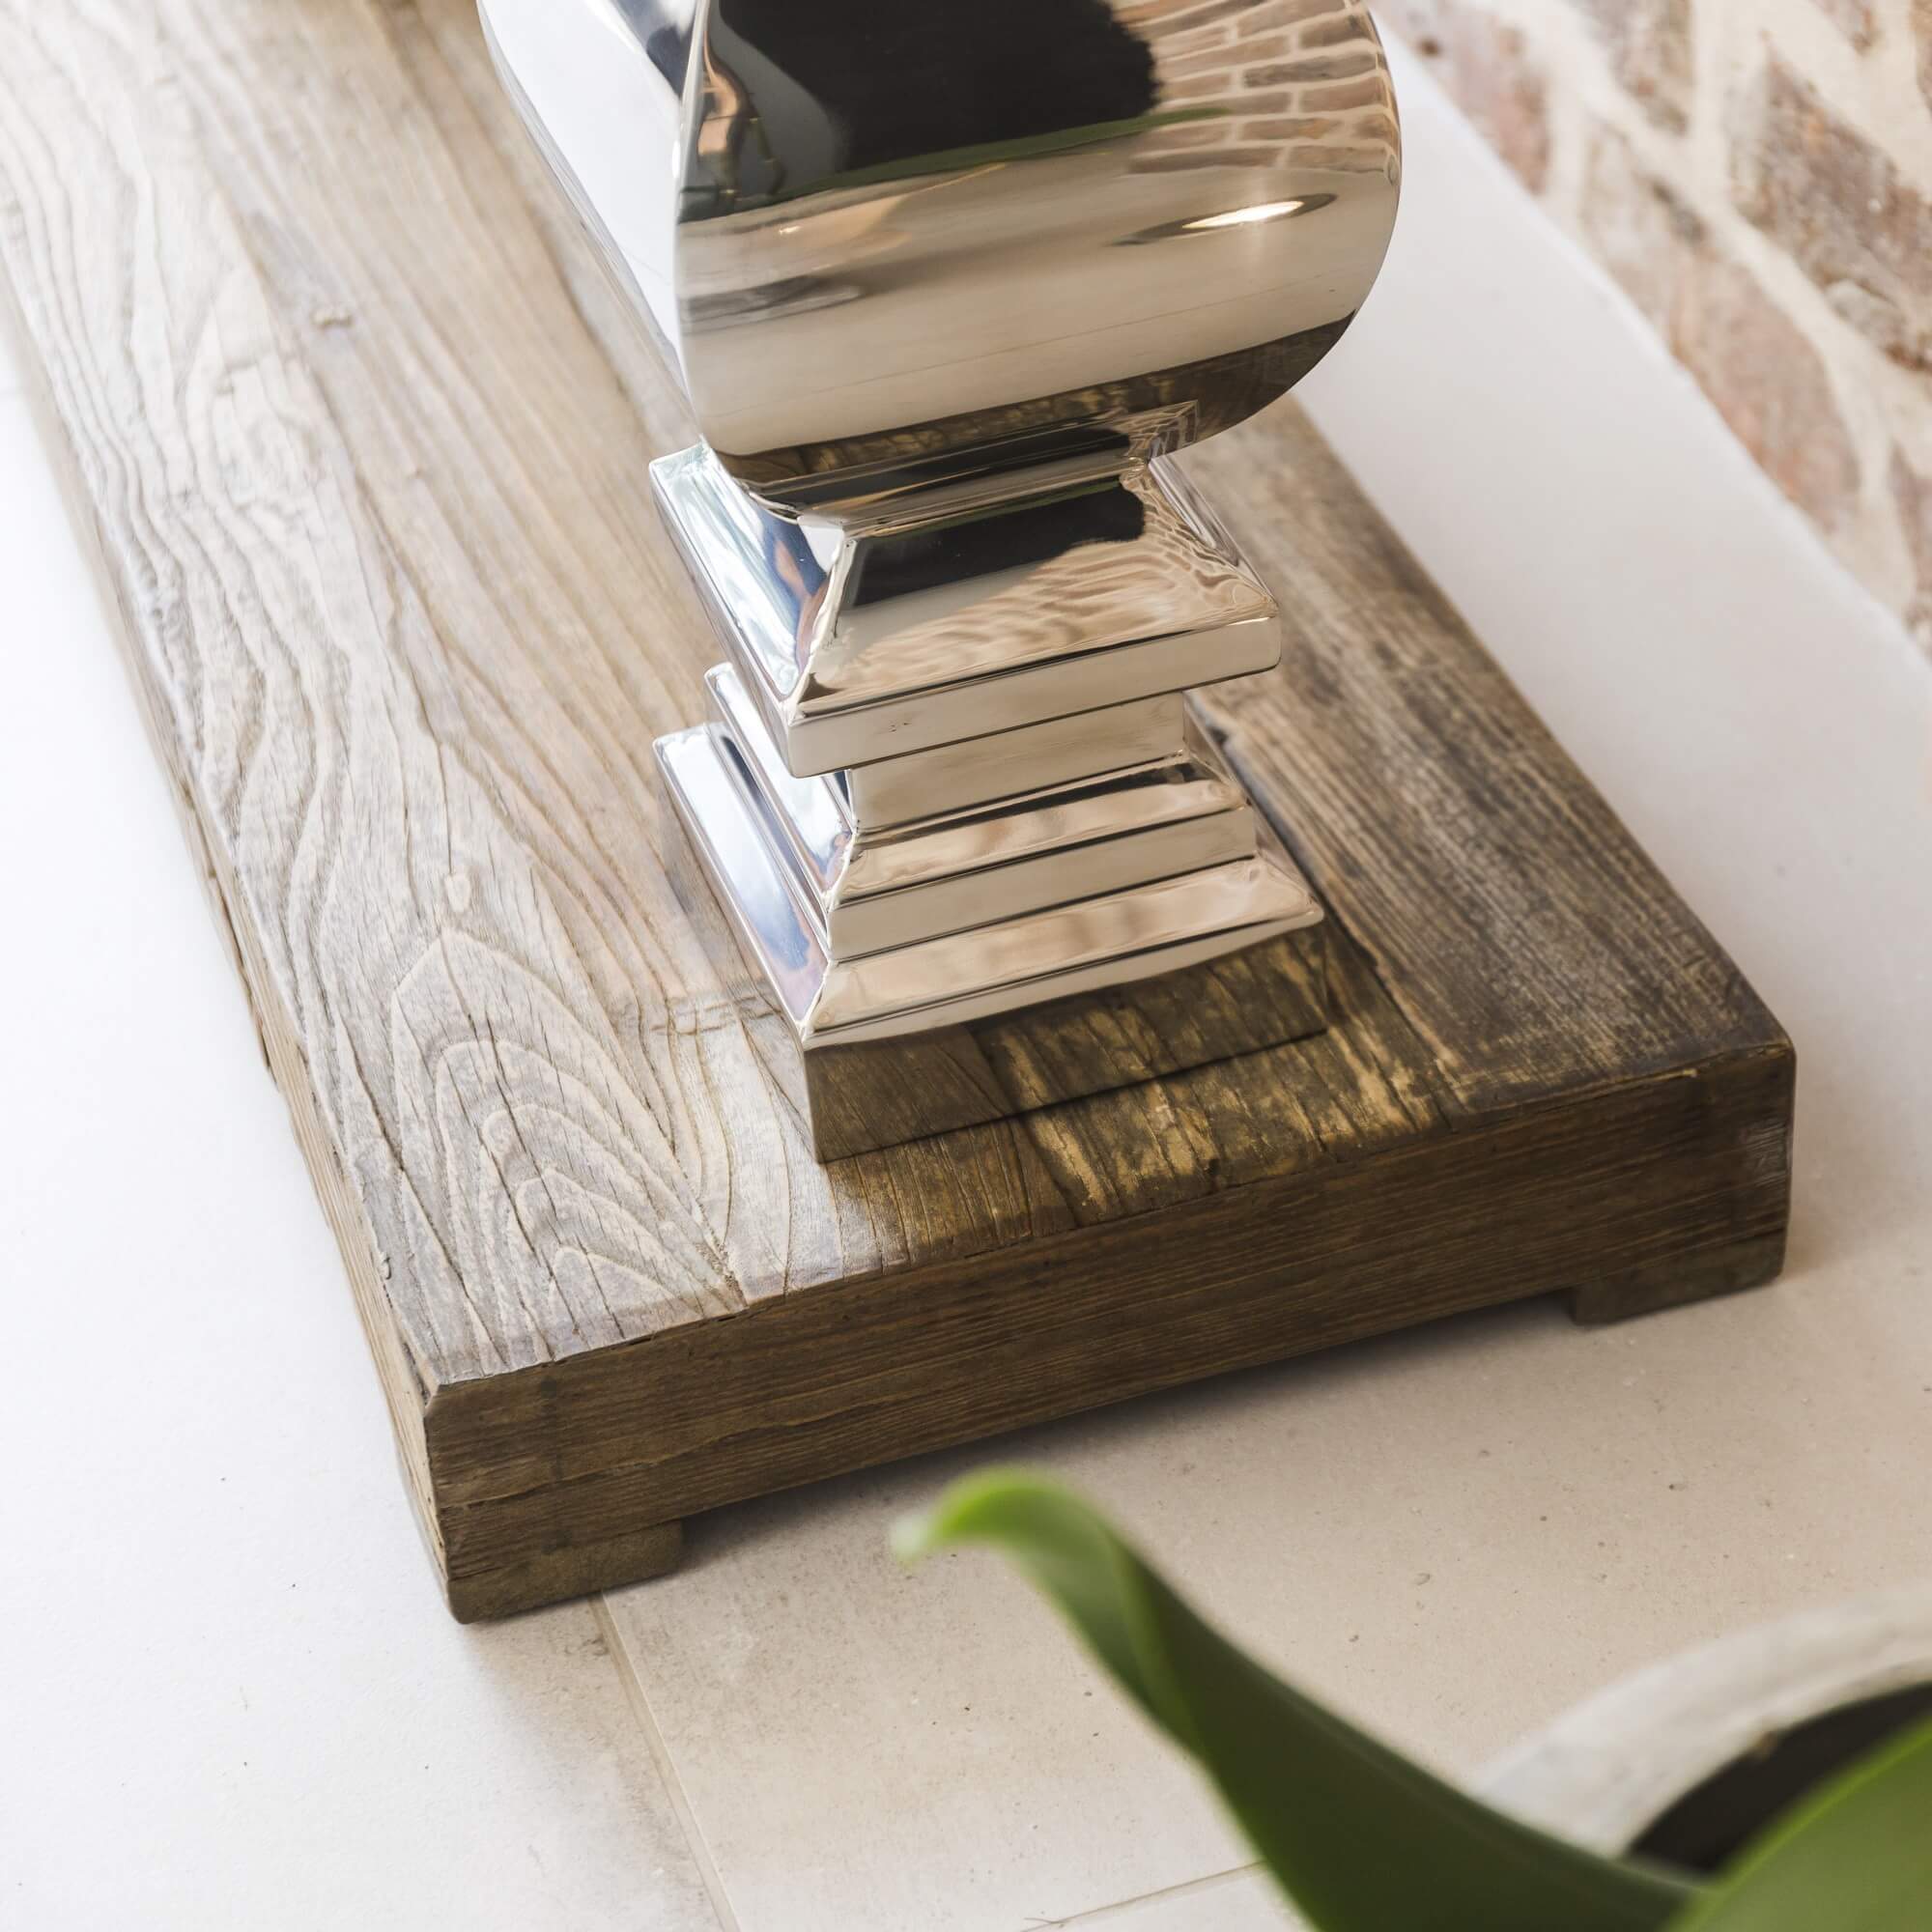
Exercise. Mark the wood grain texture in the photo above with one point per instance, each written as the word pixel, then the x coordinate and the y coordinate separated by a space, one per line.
pixel 362 440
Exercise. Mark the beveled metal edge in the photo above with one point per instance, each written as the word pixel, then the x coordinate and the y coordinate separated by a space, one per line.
pixel 818 733
pixel 1009 765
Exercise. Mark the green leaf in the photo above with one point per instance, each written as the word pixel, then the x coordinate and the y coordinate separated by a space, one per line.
pixel 1854 1857
pixel 1361 1839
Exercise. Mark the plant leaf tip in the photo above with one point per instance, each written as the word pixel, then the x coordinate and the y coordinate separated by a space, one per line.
pixel 954 1517
pixel 916 1535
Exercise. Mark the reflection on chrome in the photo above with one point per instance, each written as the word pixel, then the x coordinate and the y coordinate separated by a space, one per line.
pixel 947 286
pixel 1242 217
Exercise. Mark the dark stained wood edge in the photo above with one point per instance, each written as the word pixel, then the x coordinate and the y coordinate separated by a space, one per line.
pixel 1680 1181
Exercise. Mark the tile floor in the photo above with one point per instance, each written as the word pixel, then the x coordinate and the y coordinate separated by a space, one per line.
pixel 231 1696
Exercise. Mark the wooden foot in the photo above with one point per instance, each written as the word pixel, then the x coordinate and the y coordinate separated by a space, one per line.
pixel 1650 1289
pixel 571 1571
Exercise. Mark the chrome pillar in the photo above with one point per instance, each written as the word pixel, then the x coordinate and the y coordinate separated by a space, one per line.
pixel 947 286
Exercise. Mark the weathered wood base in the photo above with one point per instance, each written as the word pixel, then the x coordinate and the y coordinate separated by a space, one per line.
pixel 364 450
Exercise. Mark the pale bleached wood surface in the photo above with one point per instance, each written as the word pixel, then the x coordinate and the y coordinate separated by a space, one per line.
pixel 404 645
pixel 363 442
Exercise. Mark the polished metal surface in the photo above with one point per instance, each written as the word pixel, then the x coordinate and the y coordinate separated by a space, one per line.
pixel 888 248
pixel 982 771
pixel 865 892
pixel 864 643
pixel 947 286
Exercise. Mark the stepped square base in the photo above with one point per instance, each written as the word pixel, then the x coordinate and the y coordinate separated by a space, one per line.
pixel 866 644
pixel 976 1025
pixel 952 805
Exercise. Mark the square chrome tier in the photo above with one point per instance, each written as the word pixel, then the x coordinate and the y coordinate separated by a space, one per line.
pixel 867 642
pixel 953 805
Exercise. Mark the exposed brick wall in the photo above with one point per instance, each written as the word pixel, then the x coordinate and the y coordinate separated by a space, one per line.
pixel 1287 83
pixel 1757 174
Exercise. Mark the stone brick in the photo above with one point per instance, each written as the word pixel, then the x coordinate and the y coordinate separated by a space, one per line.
pixel 1856 19
pixel 1767 380
pixel 1651 48
pixel 1335 30
pixel 1293 127
pixel 1213 58
pixel 1292 13
pixel 1175 139
pixel 1184 17
pixel 1302 71
pixel 1264 47
pixel 1338 97
pixel 1372 135
pixel 1217 158
pixel 1224 107
pixel 1912 496
pixel 1771 385
pixel 1276 13
pixel 1487 68
pixel 1643 231
pixel 1835 202
pixel 1194 90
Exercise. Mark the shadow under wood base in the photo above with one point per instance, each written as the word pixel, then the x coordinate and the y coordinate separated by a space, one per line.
pixel 1629 1197
pixel 576 1569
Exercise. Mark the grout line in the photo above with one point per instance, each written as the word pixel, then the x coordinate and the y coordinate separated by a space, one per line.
pixel 687 1818
pixel 1104 1915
